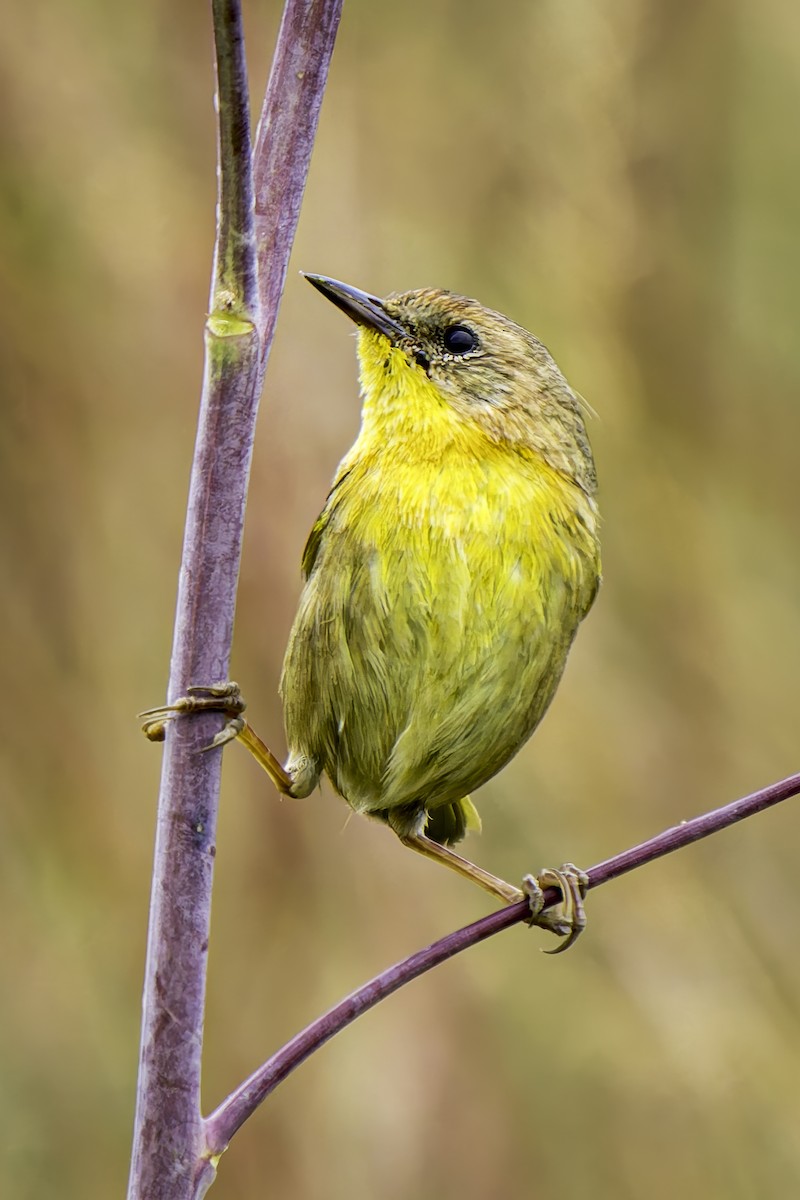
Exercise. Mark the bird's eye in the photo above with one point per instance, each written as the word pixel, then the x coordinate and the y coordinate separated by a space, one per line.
pixel 459 340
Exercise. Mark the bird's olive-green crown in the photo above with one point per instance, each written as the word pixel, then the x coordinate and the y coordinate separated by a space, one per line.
pixel 498 374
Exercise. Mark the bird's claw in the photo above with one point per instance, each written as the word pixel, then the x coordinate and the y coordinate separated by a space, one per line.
pixel 224 697
pixel 568 918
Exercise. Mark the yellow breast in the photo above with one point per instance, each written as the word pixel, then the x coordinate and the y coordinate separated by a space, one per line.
pixel 450 573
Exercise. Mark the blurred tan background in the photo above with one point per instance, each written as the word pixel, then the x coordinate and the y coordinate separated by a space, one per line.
pixel 623 178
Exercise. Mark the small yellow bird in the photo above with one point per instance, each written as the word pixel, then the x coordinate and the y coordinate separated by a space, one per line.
pixel 445 580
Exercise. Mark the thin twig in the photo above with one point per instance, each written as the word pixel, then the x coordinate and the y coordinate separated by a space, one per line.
pixel 235 271
pixel 234 1111
pixel 285 137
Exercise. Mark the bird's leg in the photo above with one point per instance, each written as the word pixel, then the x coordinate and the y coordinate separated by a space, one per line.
pixel 567 919
pixel 227 699
pixel 443 854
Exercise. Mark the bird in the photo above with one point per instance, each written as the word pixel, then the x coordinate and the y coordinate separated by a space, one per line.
pixel 444 581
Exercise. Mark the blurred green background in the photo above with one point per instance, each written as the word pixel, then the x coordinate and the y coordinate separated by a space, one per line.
pixel 622 178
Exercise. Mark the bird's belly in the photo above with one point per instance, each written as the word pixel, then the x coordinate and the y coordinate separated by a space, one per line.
pixel 415 672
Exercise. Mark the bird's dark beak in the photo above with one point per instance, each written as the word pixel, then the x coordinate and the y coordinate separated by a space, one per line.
pixel 360 307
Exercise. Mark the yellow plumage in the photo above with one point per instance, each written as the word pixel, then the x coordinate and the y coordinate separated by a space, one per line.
pixel 445 581
pixel 446 578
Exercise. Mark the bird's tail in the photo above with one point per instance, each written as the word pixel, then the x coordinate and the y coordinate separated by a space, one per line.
pixel 448 823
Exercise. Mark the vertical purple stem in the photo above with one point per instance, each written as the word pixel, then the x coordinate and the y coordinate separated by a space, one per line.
pixel 170 1155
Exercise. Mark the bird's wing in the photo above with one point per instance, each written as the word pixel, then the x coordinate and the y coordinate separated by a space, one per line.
pixel 314 541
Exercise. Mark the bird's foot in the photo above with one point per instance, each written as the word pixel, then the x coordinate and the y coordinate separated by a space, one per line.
pixel 227 699
pixel 222 697
pixel 568 918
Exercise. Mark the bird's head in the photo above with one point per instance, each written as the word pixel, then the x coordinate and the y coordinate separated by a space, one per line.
pixel 431 348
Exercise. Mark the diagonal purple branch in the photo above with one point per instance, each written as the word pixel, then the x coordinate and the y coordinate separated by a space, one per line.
pixel 234 1111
